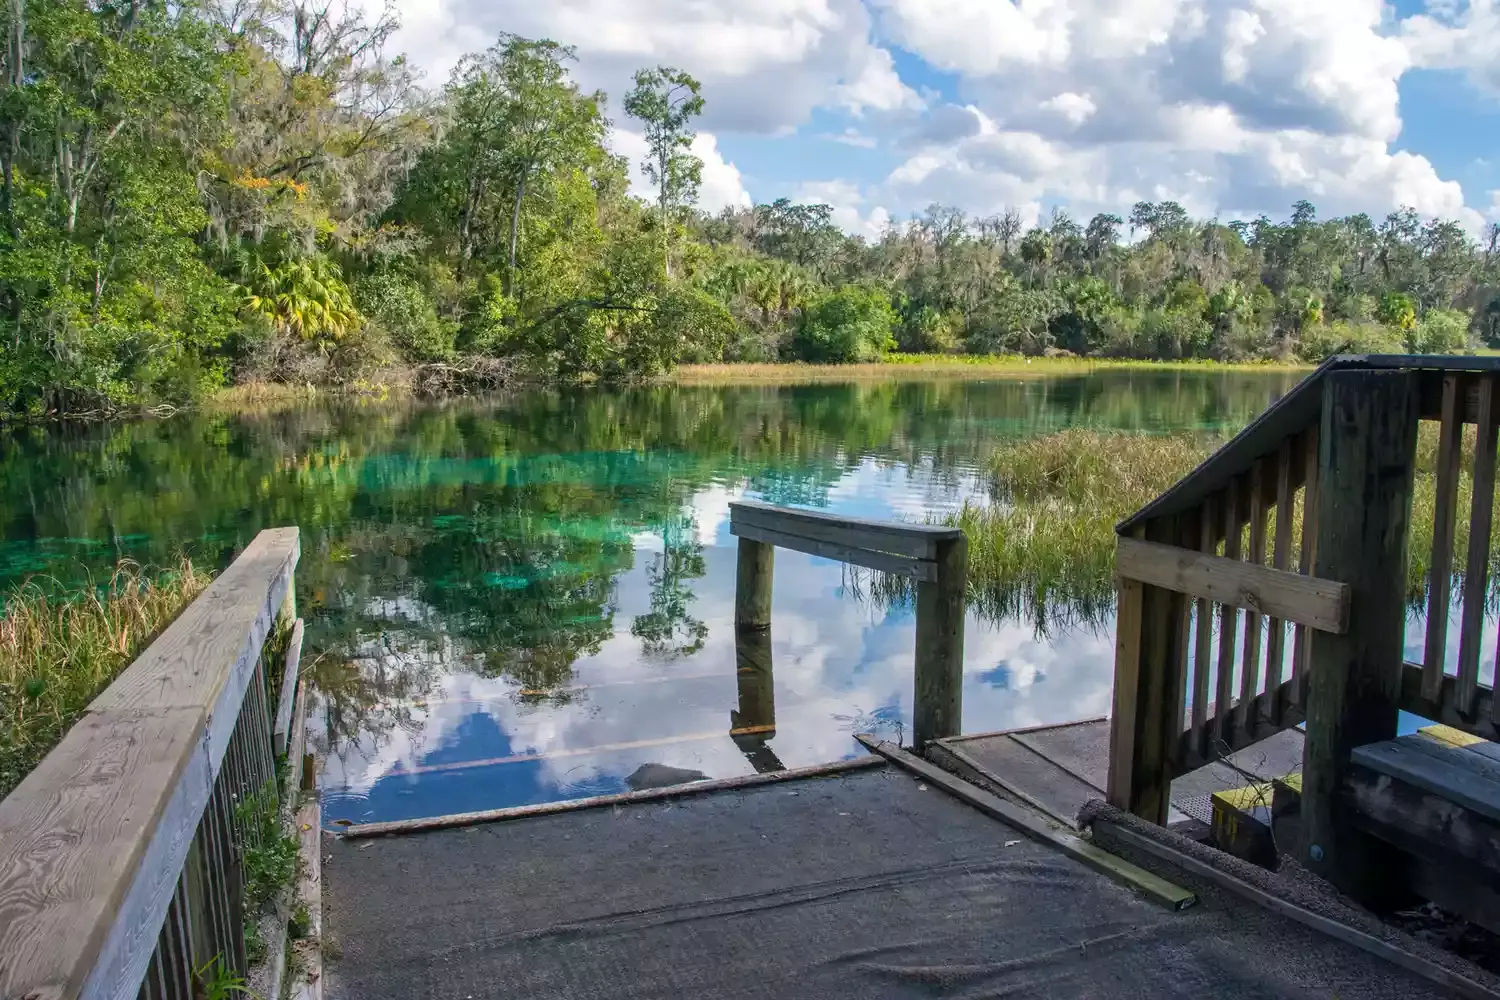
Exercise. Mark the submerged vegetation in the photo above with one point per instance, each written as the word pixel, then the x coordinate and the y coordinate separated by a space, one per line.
pixel 58 652
pixel 200 194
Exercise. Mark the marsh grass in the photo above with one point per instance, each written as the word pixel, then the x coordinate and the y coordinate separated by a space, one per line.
pixel 59 649
pixel 1042 548
pixel 927 366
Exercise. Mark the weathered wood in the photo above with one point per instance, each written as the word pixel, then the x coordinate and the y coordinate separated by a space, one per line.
pixel 1368 440
pixel 1203 661
pixel 1420 821
pixel 1221 727
pixel 938 702
pixel 92 843
pixel 1440 582
pixel 1154 887
pixel 307 954
pixel 1444 709
pixel 404 826
pixel 1109 832
pixel 1281 551
pixel 1129 597
pixel 916 541
pixel 752 587
pixel 922 570
pixel 1457 774
pixel 1477 565
pixel 288 693
pixel 1306 552
pixel 1323 604
pixel 1250 664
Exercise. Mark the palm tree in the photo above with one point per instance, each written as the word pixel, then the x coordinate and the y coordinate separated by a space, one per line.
pixel 306 298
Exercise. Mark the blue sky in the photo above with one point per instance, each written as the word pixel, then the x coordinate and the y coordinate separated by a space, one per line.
pixel 880 107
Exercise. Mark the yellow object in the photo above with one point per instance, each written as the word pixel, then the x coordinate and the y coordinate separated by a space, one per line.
pixel 1450 736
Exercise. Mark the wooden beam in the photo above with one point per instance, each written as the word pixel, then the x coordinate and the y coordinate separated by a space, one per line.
pixel 916 569
pixel 1023 820
pixel 1445 520
pixel 752 585
pixel 1368 440
pixel 939 681
pixel 916 541
pixel 288 693
pixel 1322 604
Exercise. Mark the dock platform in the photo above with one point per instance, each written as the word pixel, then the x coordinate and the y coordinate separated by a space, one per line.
pixel 1057 769
pixel 867 882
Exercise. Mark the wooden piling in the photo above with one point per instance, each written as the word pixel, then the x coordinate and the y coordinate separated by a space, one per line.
pixel 1368 445
pixel 752 592
pixel 938 705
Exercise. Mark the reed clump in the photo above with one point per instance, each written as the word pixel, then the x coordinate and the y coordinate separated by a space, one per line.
pixel 59 649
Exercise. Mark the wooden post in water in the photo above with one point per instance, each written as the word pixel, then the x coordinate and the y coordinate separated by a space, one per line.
pixel 1368 449
pixel 752 589
pixel 938 702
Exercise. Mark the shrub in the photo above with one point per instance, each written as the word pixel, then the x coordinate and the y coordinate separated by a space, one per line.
pixel 402 308
pixel 1440 331
pixel 849 324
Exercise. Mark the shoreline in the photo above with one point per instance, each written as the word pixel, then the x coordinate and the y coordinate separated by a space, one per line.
pixel 922 366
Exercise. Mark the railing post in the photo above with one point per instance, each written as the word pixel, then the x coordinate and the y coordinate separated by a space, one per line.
pixel 753 724
pixel 1149 694
pixel 752 590
pixel 1368 446
pixel 938 700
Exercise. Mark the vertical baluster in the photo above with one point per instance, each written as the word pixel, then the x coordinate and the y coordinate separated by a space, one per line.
pixel 1301 646
pixel 1440 583
pixel 1280 555
pixel 1250 665
pixel 182 941
pixel 1228 622
pixel 1477 566
pixel 216 893
pixel 1203 651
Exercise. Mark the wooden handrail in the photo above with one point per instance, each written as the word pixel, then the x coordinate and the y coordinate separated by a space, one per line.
pixel 1292 597
pixel 934 556
pixel 93 842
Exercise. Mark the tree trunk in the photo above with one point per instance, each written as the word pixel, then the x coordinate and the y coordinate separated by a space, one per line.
pixel 515 228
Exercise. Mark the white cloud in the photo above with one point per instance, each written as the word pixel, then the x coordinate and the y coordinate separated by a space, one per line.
pixel 853 137
pixel 1076 108
pixel 764 66
pixel 851 211
pixel 1453 36
pixel 722 186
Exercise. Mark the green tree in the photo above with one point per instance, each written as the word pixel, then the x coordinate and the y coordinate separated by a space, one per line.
pixel 853 323
pixel 665 101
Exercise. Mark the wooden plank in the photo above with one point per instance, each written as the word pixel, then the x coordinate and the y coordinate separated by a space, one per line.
pixel 295 751
pixel 1127 690
pixel 1420 821
pixel 307 954
pixel 1444 710
pixel 939 676
pixel 1203 661
pixel 92 842
pixel 1158 889
pixel 1306 553
pixel 917 569
pixel 1281 552
pixel 1221 728
pixel 1477 565
pixel 214 636
pixel 1445 517
pixel 754 569
pixel 916 541
pixel 1250 664
pixel 1053 792
pixel 1369 441
pixel 1429 970
pixel 1323 604
pixel 288 692
pixel 424 824
pixel 1456 774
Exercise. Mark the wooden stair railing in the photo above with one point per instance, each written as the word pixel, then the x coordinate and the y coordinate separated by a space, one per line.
pixel 1214 572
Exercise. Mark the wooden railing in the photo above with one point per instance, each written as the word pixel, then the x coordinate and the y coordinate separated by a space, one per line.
pixel 1301 524
pixel 936 558
pixel 120 855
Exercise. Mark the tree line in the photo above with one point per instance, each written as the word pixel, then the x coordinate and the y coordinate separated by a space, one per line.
pixel 260 190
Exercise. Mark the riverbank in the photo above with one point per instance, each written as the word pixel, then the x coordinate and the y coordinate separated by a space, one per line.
pixel 57 652
pixel 923 366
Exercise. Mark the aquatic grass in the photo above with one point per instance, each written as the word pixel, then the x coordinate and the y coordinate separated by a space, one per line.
pixel 1042 547
pixel 59 649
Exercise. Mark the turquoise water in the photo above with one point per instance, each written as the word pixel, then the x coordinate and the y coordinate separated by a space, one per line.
pixel 525 599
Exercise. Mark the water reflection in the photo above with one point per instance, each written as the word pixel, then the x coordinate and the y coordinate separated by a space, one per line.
pixel 532 598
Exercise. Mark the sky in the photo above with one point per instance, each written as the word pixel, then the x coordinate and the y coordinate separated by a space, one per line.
pixel 880 108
